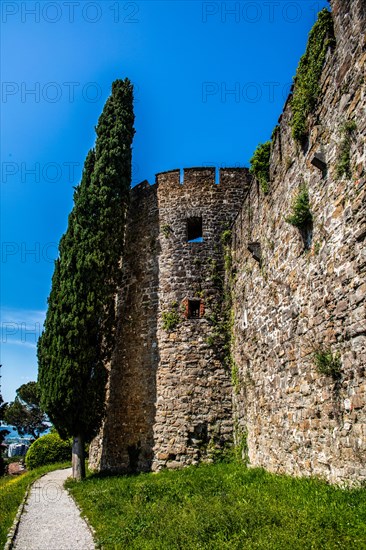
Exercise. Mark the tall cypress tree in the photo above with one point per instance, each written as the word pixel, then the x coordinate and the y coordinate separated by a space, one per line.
pixel 79 332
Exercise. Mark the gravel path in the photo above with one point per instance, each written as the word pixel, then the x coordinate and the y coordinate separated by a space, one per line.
pixel 51 520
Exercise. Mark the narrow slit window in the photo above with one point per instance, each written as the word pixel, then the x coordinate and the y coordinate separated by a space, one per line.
pixel 194 230
pixel 194 309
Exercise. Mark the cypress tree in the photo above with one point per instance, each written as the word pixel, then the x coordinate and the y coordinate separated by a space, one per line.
pixel 79 332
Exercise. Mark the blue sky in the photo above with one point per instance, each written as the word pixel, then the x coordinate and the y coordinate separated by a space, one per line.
pixel 210 81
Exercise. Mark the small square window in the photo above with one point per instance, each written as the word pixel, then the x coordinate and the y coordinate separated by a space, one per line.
pixel 194 230
pixel 194 309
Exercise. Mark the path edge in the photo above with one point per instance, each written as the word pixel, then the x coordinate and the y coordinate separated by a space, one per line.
pixel 15 526
pixel 83 517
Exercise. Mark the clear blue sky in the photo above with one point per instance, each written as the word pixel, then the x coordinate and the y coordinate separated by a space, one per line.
pixel 211 79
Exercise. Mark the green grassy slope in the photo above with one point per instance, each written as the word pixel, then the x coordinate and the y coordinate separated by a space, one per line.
pixel 221 506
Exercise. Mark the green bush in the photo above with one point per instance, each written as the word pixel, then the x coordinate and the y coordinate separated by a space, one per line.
pixel 48 449
pixel 259 165
pixel 327 363
pixel 301 214
pixel 171 319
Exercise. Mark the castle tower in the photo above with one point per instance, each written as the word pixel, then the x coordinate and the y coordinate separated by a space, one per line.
pixel 170 395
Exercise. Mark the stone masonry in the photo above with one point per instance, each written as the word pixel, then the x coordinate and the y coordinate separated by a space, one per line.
pixel 172 400
pixel 298 301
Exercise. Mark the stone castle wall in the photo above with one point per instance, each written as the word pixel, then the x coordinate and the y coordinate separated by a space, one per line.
pixel 194 406
pixel 169 396
pixel 298 301
pixel 171 399
pixel 126 439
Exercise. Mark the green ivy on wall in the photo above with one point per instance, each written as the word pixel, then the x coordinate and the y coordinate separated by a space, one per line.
pixel 308 74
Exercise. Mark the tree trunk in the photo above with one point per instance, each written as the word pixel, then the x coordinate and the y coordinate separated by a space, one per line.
pixel 78 458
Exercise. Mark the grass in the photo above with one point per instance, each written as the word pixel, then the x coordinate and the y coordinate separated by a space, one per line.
pixel 221 506
pixel 12 491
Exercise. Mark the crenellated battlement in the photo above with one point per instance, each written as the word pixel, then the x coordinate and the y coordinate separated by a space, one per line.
pixel 234 177
pixel 233 184
pixel 141 187
pixel 204 175
pixel 169 178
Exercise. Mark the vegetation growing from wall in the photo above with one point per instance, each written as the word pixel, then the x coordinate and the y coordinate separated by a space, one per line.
pixel 308 74
pixel 259 165
pixel 235 380
pixel 171 318
pixel 221 317
pixel 301 214
pixel 221 322
pixel 241 443
pixel 328 363
pixel 166 230
pixel 343 168
pixel 229 312
pixel 226 237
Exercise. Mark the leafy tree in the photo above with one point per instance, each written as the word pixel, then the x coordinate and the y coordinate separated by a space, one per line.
pixel 25 413
pixel 80 324
pixel 3 433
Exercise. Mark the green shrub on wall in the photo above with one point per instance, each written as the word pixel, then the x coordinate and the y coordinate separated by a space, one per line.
pixel 171 318
pixel 259 165
pixel 327 363
pixel 301 214
pixel 308 74
pixel 343 168
pixel 48 449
